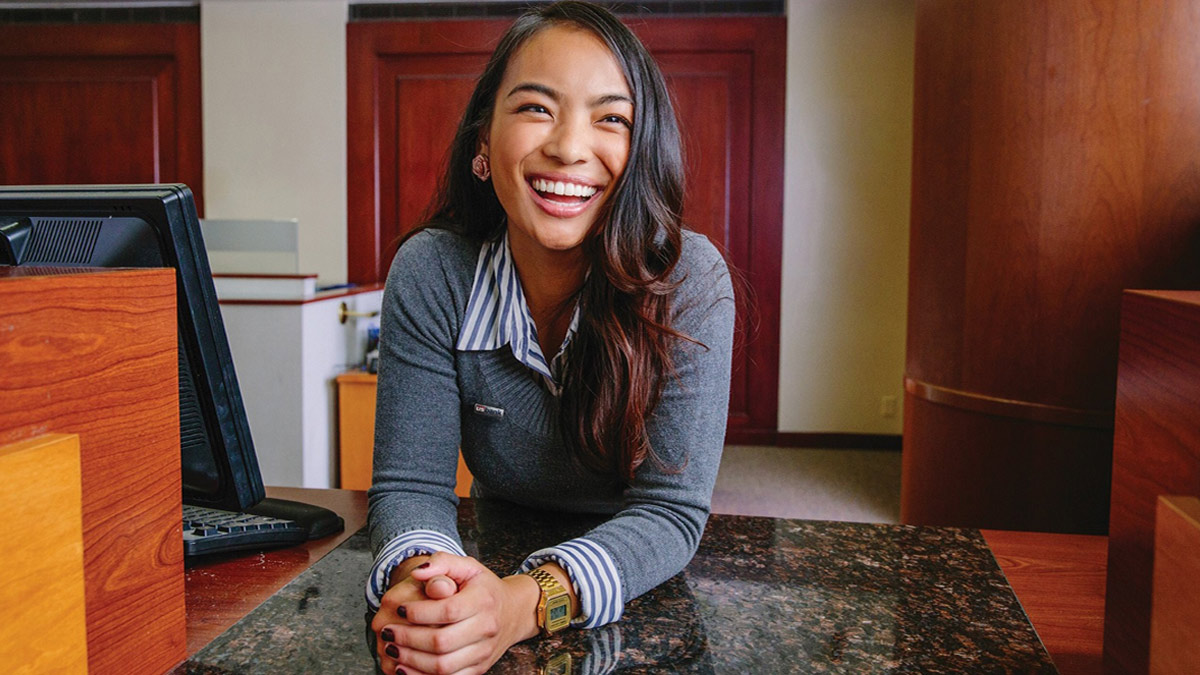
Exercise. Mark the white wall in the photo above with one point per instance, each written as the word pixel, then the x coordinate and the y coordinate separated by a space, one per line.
pixel 274 104
pixel 846 213
pixel 287 358
pixel 275 146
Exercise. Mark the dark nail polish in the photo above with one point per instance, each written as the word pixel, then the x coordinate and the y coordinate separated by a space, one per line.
pixel 422 566
pixel 391 651
pixel 387 635
pixel 401 612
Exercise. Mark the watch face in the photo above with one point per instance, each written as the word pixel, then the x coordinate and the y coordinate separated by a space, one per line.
pixel 559 665
pixel 558 613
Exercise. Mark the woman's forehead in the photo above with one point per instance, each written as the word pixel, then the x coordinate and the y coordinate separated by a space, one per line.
pixel 566 58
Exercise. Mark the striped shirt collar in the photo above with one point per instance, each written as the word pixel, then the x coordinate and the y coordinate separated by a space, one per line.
pixel 497 315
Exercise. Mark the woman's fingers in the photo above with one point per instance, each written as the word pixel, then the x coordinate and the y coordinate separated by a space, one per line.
pixel 457 607
pixel 470 658
pixel 436 649
pixel 440 588
pixel 390 616
pixel 459 623
pixel 436 639
pixel 456 567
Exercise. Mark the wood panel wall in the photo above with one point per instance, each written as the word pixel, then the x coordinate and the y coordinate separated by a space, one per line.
pixel 95 354
pixel 101 103
pixel 1055 163
pixel 408 83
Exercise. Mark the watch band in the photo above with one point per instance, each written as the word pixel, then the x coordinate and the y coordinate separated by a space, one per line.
pixel 554 607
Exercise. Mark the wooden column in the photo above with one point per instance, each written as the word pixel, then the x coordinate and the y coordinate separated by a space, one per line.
pixel 1054 164
pixel 93 353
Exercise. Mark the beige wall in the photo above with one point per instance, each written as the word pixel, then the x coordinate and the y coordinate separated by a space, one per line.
pixel 274 102
pixel 275 145
pixel 846 211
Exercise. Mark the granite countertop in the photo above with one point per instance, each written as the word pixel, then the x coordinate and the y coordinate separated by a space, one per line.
pixel 762 595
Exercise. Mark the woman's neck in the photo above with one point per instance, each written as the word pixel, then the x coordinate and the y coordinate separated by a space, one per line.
pixel 550 279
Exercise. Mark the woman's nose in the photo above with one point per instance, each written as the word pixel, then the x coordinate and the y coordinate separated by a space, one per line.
pixel 568 143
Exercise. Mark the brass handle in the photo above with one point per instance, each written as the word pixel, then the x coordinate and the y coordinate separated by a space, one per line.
pixel 345 313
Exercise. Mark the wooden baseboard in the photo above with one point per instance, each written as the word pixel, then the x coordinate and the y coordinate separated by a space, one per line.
pixel 804 439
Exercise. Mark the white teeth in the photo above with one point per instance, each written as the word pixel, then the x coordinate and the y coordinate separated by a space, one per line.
pixel 562 188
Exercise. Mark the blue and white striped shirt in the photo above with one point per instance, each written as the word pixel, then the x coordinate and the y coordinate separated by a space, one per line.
pixel 496 316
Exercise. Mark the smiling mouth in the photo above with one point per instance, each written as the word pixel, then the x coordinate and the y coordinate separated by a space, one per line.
pixel 562 191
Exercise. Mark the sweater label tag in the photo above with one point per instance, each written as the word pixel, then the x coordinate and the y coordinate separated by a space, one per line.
pixel 489 411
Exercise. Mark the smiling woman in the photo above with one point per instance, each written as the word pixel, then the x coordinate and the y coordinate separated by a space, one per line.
pixel 555 321
pixel 557 142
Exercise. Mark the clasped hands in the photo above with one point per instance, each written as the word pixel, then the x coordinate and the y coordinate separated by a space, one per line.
pixel 450 614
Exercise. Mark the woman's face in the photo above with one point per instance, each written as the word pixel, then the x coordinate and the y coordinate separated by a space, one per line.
pixel 559 137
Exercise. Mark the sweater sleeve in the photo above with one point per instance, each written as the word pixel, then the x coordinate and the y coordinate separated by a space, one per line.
pixel 665 508
pixel 417 423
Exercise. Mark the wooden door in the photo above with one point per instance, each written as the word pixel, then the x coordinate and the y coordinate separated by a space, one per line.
pixel 409 82
pixel 100 103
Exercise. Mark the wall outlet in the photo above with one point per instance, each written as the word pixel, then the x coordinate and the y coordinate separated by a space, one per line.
pixel 887 406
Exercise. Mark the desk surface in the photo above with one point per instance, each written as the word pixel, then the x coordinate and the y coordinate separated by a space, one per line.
pixel 221 590
pixel 830 596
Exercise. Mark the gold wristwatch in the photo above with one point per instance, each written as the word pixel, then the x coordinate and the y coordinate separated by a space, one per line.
pixel 559 664
pixel 554 608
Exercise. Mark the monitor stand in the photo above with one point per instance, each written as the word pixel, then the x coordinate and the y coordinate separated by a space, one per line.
pixel 319 521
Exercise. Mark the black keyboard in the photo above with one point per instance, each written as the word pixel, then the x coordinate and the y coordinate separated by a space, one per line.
pixel 208 530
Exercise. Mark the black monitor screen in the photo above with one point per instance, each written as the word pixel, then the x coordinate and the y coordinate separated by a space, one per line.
pixel 152 226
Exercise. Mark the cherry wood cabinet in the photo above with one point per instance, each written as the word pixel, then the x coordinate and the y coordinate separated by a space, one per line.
pixel 1175 617
pixel 1156 452
pixel 94 353
pixel 408 83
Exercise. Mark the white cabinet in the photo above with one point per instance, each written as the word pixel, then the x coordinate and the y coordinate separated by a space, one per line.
pixel 288 354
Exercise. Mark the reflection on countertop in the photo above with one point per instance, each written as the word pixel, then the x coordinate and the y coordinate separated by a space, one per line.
pixel 762 595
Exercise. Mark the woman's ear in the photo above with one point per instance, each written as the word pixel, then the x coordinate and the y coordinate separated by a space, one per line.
pixel 481 147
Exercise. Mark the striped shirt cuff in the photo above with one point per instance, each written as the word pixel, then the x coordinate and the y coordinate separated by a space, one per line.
pixel 594 576
pixel 604 651
pixel 396 551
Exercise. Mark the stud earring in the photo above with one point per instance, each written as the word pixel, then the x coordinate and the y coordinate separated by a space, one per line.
pixel 481 167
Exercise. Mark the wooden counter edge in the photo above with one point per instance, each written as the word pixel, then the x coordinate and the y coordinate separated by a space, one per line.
pixel 1060 581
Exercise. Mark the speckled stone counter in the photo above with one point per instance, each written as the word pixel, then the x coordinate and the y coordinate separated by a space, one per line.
pixel 762 595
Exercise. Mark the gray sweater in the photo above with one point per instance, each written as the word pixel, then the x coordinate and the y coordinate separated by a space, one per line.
pixel 426 410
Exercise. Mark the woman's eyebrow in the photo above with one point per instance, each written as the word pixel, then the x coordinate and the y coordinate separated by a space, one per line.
pixel 537 88
pixel 606 99
pixel 556 96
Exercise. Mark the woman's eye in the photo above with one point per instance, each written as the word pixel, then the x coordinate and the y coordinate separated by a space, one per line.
pixel 617 119
pixel 533 108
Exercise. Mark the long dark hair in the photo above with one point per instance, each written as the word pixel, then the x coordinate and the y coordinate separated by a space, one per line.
pixel 621 353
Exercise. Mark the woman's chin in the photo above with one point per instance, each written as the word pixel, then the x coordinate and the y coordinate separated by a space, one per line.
pixel 563 246
pixel 560 242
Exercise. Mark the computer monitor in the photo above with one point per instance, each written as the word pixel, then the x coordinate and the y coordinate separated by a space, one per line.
pixel 156 226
